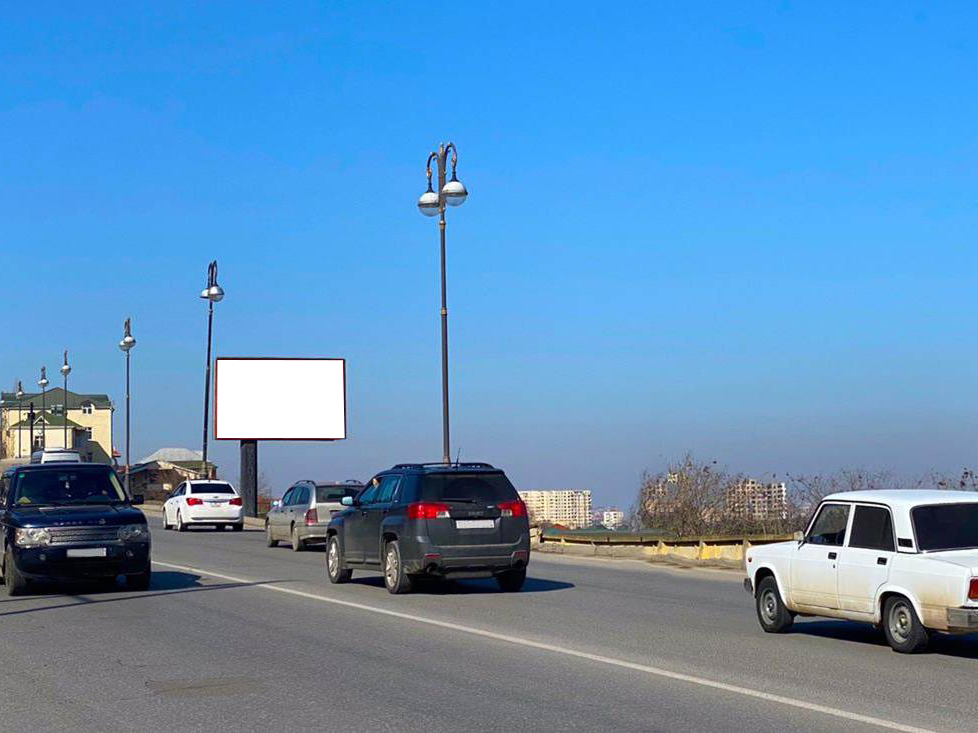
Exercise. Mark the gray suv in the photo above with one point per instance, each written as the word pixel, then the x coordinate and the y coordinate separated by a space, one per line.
pixel 443 520
pixel 301 517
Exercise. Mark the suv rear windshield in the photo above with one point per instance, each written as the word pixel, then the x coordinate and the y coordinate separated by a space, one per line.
pixel 946 526
pixel 66 486
pixel 469 488
pixel 215 487
pixel 336 493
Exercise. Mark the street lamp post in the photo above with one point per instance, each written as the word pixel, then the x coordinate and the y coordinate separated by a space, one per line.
pixel 65 371
pixel 20 428
pixel 452 193
pixel 126 345
pixel 213 293
pixel 43 384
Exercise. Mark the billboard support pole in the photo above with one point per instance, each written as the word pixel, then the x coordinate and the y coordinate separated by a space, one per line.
pixel 249 477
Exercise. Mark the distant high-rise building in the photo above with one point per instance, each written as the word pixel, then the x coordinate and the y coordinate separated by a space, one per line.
pixel 753 499
pixel 609 517
pixel 570 507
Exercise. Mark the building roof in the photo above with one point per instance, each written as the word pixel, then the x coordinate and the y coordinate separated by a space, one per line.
pixel 55 396
pixel 50 421
pixel 906 498
pixel 174 455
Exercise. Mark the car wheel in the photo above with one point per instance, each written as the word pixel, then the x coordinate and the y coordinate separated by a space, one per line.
pixel 269 540
pixel 774 616
pixel 139 581
pixel 166 525
pixel 903 629
pixel 237 527
pixel 14 582
pixel 334 563
pixel 396 580
pixel 297 544
pixel 181 527
pixel 512 580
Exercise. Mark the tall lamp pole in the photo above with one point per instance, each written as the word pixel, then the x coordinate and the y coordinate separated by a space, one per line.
pixel 213 293
pixel 43 384
pixel 65 371
pixel 126 345
pixel 452 193
pixel 20 428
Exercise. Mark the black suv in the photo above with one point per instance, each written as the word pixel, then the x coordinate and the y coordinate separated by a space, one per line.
pixel 70 521
pixel 445 520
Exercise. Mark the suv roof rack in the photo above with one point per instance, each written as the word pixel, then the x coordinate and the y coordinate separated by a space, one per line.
pixel 442 464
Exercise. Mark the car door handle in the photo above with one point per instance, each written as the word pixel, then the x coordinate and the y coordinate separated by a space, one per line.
pixel 832 555
pixel 881 561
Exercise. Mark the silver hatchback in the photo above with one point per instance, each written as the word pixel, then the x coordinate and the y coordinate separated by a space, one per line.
pixel 301 516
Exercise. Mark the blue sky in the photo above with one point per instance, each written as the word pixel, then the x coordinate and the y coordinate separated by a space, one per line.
pixel 744 230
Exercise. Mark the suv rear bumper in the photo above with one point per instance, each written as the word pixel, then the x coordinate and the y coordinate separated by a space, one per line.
pixel 465 561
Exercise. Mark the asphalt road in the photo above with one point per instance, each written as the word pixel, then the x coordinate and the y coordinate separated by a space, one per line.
pixel 233 635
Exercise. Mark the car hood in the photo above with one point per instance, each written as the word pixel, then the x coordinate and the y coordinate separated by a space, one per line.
pixel 963 558
pixel 75 516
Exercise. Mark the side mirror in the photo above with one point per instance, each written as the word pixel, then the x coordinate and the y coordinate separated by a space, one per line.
pixel 799 537
pixel 136 499
pixel 347 501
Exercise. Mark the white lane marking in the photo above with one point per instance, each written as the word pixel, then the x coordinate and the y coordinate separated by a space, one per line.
pixel 656 671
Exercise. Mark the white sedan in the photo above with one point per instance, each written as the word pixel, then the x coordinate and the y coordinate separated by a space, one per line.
pixel 906 561
pixel 214 503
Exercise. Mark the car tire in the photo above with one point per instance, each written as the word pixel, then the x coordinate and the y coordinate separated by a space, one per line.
pixel 334 562
pixel 904 632
pixel 773 615
pixel 14 583
pixel 269 540
pixel 179 525
pixel 139 581
pixel 166 525
pixel 395 578
pixel 512 580
pixel 297 544
pixel 237 527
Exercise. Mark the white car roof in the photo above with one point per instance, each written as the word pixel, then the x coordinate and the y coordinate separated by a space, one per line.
pixel 906 498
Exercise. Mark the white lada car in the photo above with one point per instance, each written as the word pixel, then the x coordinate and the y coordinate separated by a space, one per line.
pixel 903 560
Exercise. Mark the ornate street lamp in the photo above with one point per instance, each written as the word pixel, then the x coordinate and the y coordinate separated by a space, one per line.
pixel 20 428
pixel 213 293
pixel 65 371
pixel 43 384
pixel 431 203
pixel 126 345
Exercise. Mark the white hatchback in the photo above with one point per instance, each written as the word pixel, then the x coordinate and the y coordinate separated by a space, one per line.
pixel 214 503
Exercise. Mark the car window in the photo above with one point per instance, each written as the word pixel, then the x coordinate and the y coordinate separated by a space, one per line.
pixel 477 488
pixel 369 496
pixel 872 529
pixel 302 496
pixel 212 487
pixel 336 493
pixel 67 486
pixel 946 526
pixel 287 499
pixel 829 527
pixel 388 485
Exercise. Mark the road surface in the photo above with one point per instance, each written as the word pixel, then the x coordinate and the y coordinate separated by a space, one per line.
pixel 233 635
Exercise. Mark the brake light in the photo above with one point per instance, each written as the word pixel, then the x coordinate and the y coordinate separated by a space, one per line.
pixel 428 510
pixel 973 590
pixel 194 501
pixel 312 517
pixel 514 508
pixel 236 501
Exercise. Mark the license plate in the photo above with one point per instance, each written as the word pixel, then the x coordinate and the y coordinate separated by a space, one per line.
pixel 217 503
pixel 475 523
pixel 87 552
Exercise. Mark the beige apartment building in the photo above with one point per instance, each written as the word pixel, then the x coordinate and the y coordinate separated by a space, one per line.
pixel 753 499
pixel 570 507
pixel 87 417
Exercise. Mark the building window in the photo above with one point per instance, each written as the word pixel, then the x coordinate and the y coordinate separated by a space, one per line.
pixel 87 408
pixel 88 433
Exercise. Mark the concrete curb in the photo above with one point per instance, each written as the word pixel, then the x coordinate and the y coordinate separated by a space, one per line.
pixel 647 554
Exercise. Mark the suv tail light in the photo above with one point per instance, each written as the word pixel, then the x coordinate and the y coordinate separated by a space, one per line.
pixel 236 501
pixel 514 508
pixel 428 510
pixel 973 590
pixel 194 501
pixel 312 517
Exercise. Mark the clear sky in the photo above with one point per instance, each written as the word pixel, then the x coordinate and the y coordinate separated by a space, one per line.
pixel 745 230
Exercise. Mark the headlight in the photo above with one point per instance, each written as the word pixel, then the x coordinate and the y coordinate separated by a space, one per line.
pixel 133 532
pixel 32 537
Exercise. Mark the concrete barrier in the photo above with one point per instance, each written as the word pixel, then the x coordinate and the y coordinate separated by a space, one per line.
pixel 706 551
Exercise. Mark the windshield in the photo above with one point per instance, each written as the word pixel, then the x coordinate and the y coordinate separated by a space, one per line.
pixel 336 493
pixel 215 487
pixel 946 526
pixel 60 487
pixel 477 488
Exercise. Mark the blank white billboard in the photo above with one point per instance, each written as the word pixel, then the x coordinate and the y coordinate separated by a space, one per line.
pixel 279 399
